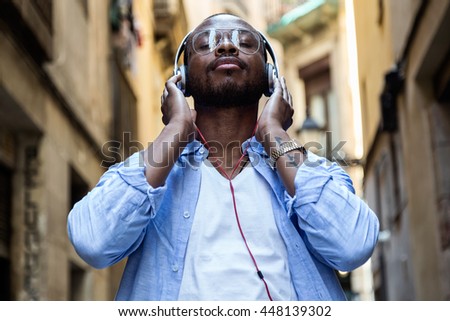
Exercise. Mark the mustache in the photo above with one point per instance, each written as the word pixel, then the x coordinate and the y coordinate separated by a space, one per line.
pixel 226 60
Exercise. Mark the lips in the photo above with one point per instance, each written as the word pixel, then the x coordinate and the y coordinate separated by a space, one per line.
pixel 227 62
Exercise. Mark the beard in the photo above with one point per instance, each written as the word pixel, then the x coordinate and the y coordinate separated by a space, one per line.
pixel 226 94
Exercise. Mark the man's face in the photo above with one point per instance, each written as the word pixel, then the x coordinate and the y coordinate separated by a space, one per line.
pixel 226 64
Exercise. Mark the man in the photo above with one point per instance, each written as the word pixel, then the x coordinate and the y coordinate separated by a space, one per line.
pixel 227 206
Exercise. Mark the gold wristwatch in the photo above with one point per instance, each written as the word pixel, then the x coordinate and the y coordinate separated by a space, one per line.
pixel 283 149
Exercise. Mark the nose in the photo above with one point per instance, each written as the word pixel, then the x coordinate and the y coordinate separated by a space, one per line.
pixel 226 46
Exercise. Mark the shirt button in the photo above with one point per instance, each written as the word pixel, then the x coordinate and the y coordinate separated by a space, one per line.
pixel 175 268
pixel 186 214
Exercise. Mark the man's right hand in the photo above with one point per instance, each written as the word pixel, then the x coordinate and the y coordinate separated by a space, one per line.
pixel 176 110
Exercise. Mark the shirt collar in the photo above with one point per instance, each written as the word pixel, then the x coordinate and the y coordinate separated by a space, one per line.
pixel 196 151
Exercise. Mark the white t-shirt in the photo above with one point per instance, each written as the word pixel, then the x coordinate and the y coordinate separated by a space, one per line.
pixel 218 265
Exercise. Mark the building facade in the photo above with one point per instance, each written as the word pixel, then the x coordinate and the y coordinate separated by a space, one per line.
pixel 80 88
pixel 404 79
pixel 80 85
pixel 51 77
pixel 318 42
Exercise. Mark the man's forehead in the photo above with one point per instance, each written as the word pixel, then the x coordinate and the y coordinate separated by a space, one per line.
pixel 224 22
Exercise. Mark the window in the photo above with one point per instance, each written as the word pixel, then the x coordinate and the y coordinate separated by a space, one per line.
pixel 77 275
pixel 125 114
pixel 318 91
pixel 77 283
pixel 31 23
pixel 78 187
pixel 5 233
pixel 322 119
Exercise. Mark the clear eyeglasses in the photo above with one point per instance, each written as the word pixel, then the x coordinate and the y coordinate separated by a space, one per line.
pixel 207 41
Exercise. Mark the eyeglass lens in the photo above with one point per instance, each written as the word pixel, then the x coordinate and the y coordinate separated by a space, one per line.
pixel 206 41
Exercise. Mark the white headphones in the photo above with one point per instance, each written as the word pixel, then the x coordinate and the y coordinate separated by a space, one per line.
pixel 271 69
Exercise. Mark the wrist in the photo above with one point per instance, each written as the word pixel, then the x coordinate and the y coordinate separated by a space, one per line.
pixel 182 128
pixel 284 148
pixel 267 133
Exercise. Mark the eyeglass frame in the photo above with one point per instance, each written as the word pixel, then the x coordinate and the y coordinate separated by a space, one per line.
pixel 221 32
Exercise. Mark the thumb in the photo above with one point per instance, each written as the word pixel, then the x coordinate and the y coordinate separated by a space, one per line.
pixel 193 115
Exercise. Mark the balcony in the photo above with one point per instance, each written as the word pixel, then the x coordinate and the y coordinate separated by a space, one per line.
pixel 165 12
pixel 304 20
pixel 31 23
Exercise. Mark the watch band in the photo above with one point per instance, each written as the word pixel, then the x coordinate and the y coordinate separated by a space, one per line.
pixel 283 149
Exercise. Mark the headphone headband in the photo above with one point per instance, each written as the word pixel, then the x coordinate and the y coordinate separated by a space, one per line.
pixel 179 52
pixel 269 49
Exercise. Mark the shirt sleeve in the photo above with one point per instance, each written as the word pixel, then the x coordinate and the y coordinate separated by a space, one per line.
pixel 337 226
pixel 109 223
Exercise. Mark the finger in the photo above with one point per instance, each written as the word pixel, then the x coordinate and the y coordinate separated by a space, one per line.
pixel 174 79
pixel 171 83
pixel 193 115
pixel 164 95
pixel 277 86
pixel 285 91
pixel 288 124
pixel 286 94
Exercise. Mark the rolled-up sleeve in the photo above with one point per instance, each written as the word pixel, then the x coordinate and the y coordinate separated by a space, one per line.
pixel 110 221
pixel 338 227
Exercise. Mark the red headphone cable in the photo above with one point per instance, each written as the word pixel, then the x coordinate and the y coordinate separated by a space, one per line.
pixel 229 178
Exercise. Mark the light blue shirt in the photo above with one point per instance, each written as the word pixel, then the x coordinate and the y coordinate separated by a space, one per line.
pixel 325 226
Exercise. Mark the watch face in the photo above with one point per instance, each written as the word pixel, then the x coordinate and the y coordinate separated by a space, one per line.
pixel 283 149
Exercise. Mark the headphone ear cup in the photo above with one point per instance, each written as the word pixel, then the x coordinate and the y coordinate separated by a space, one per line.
pixel 270 74
pixel 182 84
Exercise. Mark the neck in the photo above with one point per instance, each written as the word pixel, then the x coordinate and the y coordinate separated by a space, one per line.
pixel 224 131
